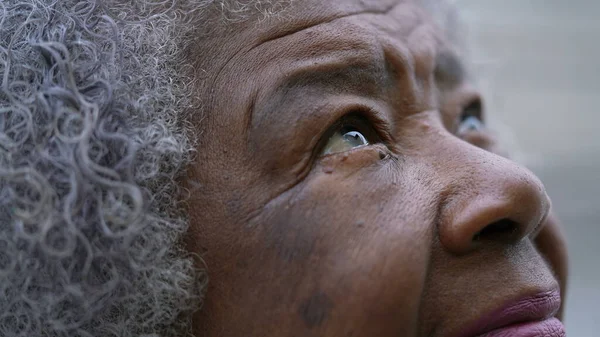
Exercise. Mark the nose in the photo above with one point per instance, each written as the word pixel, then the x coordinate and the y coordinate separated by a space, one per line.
pixel 489 199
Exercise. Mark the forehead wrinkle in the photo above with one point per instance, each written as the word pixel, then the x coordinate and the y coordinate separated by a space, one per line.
pixel 300 26
pixel 281 28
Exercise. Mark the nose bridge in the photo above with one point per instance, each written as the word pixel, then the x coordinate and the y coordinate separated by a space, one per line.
pixel 486 198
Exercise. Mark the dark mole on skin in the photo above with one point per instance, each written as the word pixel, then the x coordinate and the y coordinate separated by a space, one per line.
pixel 315 310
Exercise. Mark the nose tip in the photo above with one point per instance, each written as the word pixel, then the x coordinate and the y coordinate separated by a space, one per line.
pixel 502 207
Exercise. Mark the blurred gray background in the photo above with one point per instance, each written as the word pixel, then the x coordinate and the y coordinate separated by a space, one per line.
pixel 539 61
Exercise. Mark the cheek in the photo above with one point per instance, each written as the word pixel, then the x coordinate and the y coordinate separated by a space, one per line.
pixel 361 236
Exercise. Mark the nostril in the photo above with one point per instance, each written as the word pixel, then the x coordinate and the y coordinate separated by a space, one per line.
pixel 503 229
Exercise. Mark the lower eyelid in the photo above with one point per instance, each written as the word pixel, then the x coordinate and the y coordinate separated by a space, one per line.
pixel 377 151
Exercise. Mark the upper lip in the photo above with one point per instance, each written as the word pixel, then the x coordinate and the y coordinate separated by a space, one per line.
pixel 537 307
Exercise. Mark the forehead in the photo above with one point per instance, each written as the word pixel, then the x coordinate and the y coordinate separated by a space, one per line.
pixel 258 55
pixel 398 21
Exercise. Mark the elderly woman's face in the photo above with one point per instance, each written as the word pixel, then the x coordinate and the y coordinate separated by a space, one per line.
pixel 349 187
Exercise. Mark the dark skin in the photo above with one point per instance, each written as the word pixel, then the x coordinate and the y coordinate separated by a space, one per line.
pixel 308 233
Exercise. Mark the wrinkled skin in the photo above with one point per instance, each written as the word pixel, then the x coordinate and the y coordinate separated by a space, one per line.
pixel 381 240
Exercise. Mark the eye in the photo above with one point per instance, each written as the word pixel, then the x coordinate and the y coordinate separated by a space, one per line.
pixel 471 123
pixel 348 134
pixel 471 118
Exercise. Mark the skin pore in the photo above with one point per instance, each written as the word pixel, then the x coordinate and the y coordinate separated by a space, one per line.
pixel 418 233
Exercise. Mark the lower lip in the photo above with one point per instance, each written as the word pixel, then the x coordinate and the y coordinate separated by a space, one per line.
pixel 551 327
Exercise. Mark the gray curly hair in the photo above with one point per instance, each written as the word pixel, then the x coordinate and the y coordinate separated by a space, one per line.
pixel 94 138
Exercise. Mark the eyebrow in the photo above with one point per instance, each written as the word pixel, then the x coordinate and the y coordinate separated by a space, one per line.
pixel 362 76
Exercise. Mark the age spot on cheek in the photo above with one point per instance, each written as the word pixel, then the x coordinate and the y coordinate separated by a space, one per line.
pixel 315 310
